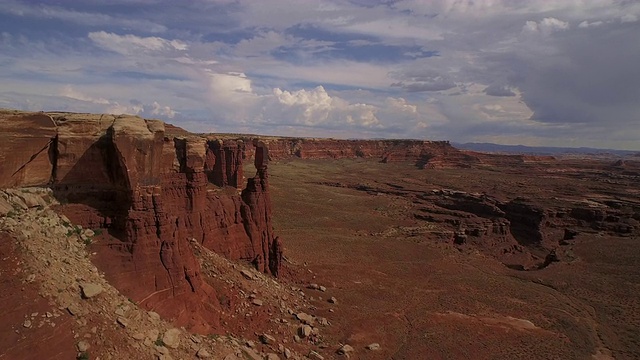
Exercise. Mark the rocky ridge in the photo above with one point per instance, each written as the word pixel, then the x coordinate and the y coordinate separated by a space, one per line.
pixel 521 232
pixel 104 321
pixel 57 258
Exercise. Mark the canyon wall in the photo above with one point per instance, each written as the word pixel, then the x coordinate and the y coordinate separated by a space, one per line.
pixel 384 150
pixel 423 154
pixel 153 193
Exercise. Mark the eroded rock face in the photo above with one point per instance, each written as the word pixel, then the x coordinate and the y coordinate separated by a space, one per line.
pixel 385 150
pixel 424 154
pixel 258 220
pixel 154 194
pixel 25 145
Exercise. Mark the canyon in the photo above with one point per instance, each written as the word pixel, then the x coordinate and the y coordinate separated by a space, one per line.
pixel 497 252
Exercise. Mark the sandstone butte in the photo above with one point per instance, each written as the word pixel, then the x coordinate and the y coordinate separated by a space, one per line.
pixel 154 187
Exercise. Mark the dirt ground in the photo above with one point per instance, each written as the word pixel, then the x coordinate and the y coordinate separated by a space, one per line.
pixel 400 281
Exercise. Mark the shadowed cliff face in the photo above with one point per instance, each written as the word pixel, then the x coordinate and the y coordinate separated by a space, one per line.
pixel 154 194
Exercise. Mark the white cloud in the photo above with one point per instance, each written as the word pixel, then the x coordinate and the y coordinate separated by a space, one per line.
pixel 70 92
pixel 132 44
pixel 317 107
pixel 231 83
pixel 586 24
pixel 160 110
pixel 105 105
pixel 546 26
pixel 101 104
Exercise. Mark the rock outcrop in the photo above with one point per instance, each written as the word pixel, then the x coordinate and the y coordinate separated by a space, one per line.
pixel 25 156
pixel 154 194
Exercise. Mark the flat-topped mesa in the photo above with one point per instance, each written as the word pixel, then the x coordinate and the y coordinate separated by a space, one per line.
pixel 414 151
pixel 423 154
pixel 154 193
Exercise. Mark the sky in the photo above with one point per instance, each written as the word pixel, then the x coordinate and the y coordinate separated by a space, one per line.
pixel 531 72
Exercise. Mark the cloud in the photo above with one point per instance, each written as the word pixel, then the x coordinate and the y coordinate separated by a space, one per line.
pixel 586 24
pixel 546 26
pixel 100 104
pixel 317 107
pixel 92 19
pixel 395 28
pixel 627 18
pixel 159 110
pixel 435 84
pixel 419 80
pixel 536 71
pixel 499 90
pixel 70 92
pixel 132 44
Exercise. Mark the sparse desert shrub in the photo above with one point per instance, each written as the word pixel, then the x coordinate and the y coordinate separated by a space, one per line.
pixel 97 231
pixel 159 342
pixel 83 356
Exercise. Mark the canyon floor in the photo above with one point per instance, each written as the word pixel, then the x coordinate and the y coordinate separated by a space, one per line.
pixel 407 278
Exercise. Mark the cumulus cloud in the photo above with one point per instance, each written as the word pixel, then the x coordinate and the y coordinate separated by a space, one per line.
pixel 317 107
pixel 235 100
pixel 230 84
pixel 159 110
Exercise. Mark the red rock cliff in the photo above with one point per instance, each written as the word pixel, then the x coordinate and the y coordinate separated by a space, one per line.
pixel 427 154
pixel 154 193
pixel 424 154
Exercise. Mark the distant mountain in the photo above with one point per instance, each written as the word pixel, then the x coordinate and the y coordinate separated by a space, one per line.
pixel 540 150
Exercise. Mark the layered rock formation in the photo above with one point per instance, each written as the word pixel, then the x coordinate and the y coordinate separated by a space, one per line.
pixel 385 150
pixel 153 193
pixel 25 156
pixel 424 154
